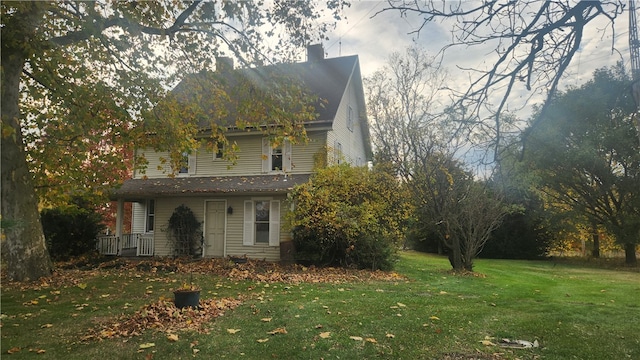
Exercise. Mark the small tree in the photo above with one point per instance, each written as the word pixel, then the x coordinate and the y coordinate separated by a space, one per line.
pixel 348 216
pixel 184 231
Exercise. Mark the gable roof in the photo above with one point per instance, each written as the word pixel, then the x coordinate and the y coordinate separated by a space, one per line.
pixel 325 78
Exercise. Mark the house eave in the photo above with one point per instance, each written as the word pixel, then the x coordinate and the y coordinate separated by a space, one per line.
pixel 138 189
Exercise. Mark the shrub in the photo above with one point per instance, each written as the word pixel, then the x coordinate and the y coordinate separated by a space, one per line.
pixel 348 216
pixel 70 231
pixel 184 231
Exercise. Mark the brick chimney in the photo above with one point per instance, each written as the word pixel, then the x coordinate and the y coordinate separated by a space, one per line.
pixel 224 63
pixel 315 52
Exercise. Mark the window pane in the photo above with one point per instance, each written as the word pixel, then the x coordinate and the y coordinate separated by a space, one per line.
pixel 262 233
pixel 262 211
pixel 184 169
pixel 276 159
pixel 150 215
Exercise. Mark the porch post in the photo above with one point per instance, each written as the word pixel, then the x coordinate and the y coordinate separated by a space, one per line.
pixel 119 221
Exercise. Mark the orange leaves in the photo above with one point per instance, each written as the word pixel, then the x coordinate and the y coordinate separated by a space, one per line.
pixel 15 350
pixel 276 331
pixel 165 316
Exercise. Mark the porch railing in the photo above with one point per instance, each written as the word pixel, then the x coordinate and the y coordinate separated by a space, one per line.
pixel 108 245
pixel 145 245
pixel 114 245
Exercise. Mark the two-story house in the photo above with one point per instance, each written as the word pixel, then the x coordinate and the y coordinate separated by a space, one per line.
pixel 242 207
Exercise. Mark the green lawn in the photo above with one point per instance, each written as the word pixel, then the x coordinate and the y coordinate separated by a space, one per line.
pixel 573 312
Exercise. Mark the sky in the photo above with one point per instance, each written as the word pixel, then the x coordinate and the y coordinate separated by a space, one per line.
pixel 373 36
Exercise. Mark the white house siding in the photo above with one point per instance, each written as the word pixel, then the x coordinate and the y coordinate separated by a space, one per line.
pixel 164 209
pixel 249 159
pixel 234 226
pixel 303 155
pixel 352 142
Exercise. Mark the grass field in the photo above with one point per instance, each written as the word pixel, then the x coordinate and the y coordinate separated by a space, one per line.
pixel 422 312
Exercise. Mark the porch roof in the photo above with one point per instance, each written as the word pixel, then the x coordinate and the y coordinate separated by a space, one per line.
pixel 193 186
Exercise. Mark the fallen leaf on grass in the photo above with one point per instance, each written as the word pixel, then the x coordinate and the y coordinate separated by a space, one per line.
pixel 82 286
pixel 146 345
pixel 232 331
pixel 46 326
pixel 371 340
pixel 172 337
pixel 262 340
pixel 401 305
pixel 13 350
pixel 390 336
pixel 325 335
pixel 277 331
pixel 356 338
pixel 487 343
pixel 265 319
pixel 434 318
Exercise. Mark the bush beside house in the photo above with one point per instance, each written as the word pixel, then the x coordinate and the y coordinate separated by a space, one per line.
pixel 348 216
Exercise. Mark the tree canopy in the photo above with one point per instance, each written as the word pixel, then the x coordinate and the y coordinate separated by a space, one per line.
pixel 585 150
pixel 79 77
pixel 533 41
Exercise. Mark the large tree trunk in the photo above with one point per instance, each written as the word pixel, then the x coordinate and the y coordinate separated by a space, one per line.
pixel 23 245
pixel 455 253
pixel 630 254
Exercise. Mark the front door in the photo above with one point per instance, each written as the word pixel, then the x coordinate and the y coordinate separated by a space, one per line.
pixel 214 228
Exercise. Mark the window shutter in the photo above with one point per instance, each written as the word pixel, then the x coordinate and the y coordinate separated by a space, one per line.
pixel 286 156
pixel 274 223
pixel 266 155
pixel 247 236
pixel 192 164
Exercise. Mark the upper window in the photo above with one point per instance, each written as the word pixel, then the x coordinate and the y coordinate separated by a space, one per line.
pixel 218 151
pixel 350 119
pixel 184 165
pixel 276 158
pixel 188 164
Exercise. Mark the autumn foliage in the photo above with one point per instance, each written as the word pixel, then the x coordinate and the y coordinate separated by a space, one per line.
pixel 348 216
